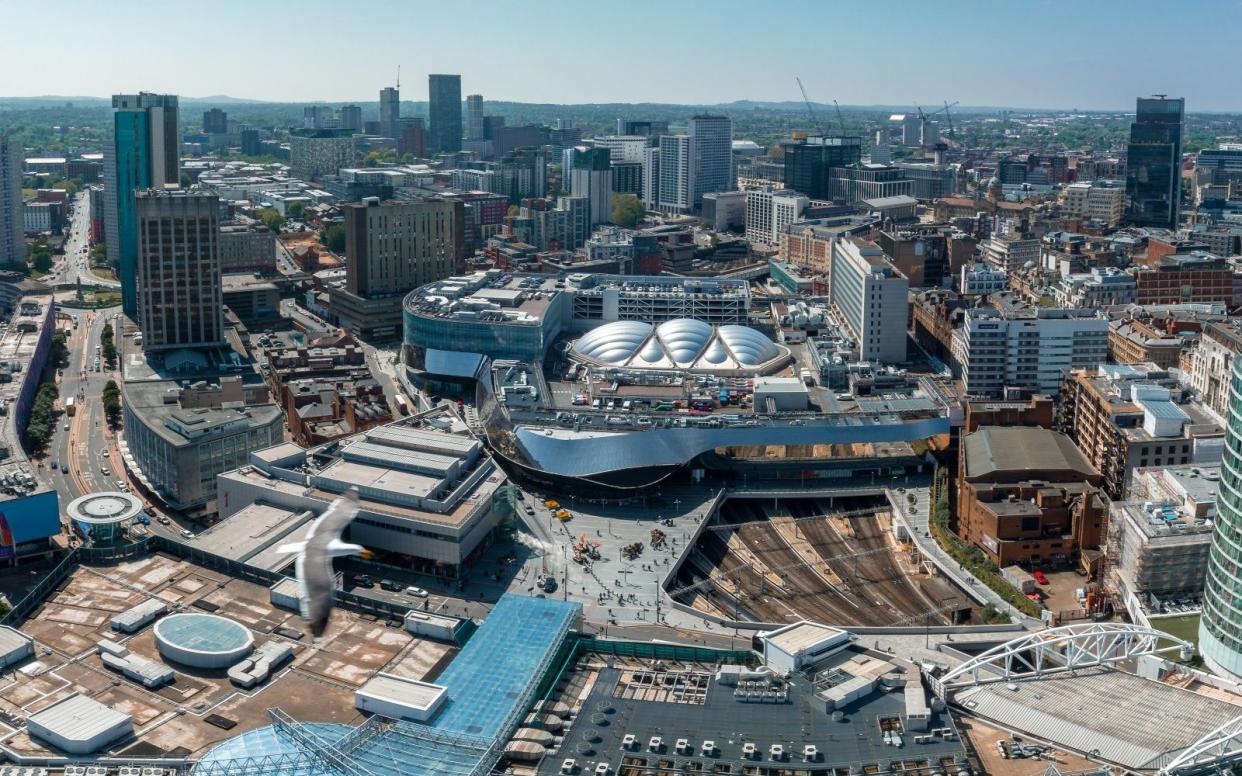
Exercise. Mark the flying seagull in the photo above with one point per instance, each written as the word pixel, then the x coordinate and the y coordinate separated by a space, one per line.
pixel 316 581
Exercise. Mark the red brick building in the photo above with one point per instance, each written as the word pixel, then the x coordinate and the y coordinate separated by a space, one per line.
pixel 1027 496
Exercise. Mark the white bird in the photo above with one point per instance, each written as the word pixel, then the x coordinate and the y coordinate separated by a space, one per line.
pixel 316 581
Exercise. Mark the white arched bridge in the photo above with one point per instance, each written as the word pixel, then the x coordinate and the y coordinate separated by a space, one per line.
pixel 1056 650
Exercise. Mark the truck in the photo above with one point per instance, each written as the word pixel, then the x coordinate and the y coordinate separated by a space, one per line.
pixel 403 406
pixel 806 376
pixel 70 407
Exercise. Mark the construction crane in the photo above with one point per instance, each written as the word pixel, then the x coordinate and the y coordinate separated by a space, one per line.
pixel 810 111
pixel 949 118
pixel 840 118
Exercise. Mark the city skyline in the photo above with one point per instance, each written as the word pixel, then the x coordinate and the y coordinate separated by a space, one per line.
pixel 1028 55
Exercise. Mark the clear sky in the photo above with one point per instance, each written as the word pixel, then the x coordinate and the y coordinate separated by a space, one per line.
pixel 1024 53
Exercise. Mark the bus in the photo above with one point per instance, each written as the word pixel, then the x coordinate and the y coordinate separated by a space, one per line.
pixel 70 407
pixel 403 406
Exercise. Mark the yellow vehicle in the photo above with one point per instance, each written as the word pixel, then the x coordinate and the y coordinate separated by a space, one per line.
pixel 563 514
pixel 550 504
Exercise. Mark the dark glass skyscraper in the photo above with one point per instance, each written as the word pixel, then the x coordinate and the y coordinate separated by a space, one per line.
pixel 807 162
pixel 444 107
pixel 1154 163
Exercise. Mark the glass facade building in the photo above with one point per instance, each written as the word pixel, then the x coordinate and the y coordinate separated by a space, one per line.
pixel 807 162
pixel 1154 163
pixel 144 154
pixel 444 109
pixel 1220 628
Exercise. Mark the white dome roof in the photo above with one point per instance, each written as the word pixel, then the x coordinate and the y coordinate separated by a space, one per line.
pixel 685 343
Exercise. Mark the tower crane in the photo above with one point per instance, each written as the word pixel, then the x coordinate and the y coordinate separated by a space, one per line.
pixel 809 110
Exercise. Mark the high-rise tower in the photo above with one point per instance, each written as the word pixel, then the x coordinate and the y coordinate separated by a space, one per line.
pixel 143 155
pixel 1154 162
pixel 444 108
pixel 1220 625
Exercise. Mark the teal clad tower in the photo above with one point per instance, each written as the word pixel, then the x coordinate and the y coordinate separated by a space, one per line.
pixel 143 154
pixel 1220 629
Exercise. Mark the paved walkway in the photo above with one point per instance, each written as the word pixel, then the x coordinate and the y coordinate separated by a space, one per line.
pixel 916 518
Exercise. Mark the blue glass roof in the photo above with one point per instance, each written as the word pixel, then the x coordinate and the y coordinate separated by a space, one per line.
pixel 269 742
pixel 203 632
pixel 500 663
pixel 489 683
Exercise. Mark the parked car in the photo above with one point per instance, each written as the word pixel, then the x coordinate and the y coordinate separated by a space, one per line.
pixel 417 592
pixel 388 584
pixel 362 580
pixel 1040 577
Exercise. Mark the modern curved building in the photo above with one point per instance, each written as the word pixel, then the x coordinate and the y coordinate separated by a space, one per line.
pixel 1220 627
pixel 686 344
pixel 452 323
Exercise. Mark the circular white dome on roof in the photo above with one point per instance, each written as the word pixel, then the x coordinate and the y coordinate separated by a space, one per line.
pixel 613 343
pixel 202 640
pixel 750 347
pixel 684 338
pixel 683 343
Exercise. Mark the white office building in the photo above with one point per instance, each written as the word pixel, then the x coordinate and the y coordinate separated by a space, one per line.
pixel 1016 346
pixel 980 279
pixel 1103 201
pixel 870 296
pixel 624 149
pixel 676 194
pixel 769 211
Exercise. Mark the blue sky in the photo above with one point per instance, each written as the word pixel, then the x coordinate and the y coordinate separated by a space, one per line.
pixel 1041 53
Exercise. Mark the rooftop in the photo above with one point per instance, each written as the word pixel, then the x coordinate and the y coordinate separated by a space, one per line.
pixel 1005 449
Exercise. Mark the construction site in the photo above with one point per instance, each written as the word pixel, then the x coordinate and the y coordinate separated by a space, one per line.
pixel 785 560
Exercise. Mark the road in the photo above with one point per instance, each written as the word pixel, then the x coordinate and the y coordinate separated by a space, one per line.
pixel 77 263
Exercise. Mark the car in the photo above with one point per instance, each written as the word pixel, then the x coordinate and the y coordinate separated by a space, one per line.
pixel 105 471
pixel 121 485
pixel 64 468
pixel 363 580
pixel 417 592
pixel 1040 577
pixel 54 465
pixel 163 520
pixel 66 427
pixel 144 520
pixel 105 453
pixel 388 584
pixel 187 534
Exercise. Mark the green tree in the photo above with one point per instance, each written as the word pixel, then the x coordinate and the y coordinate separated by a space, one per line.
pixel 334 238
pixel 627 210
pixel 42 421
pixel 271 218
pixel 112 402
pixel 379 156
pixel 107 344
pixel 60 348
pixel 40 256
pixel 297 211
